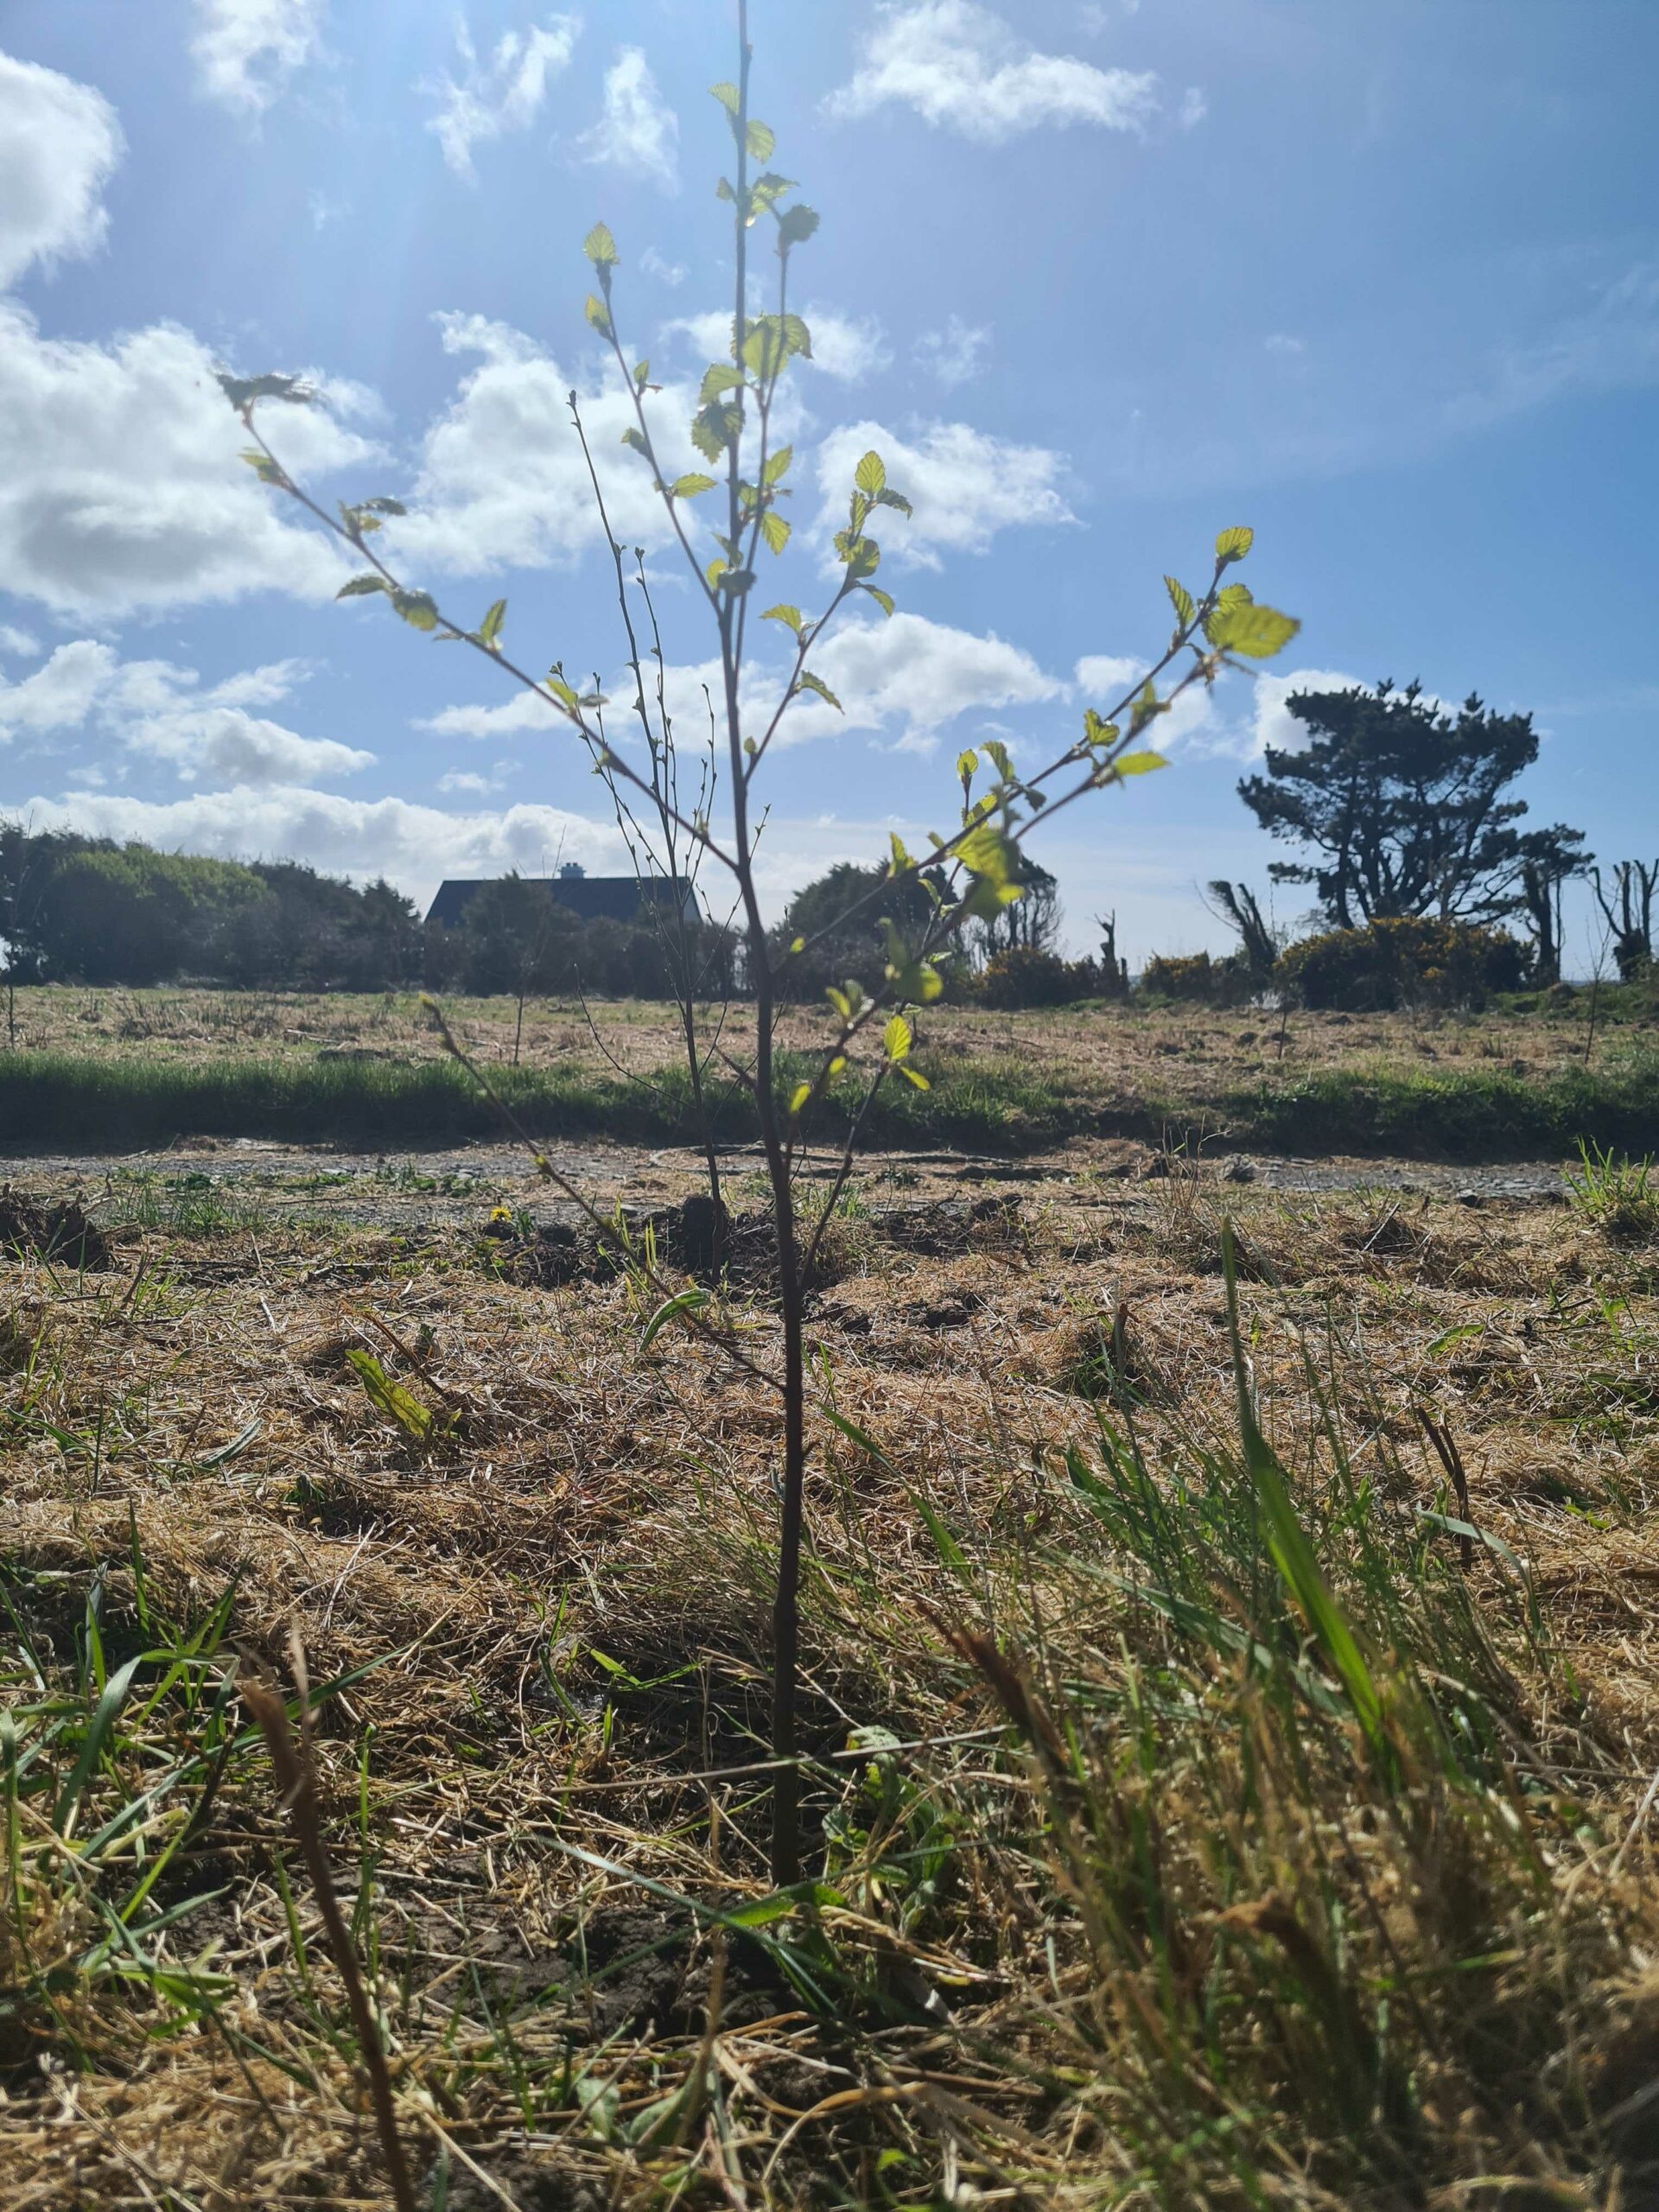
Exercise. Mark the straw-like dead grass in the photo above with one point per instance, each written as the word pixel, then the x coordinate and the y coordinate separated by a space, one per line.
pixel 1126 1894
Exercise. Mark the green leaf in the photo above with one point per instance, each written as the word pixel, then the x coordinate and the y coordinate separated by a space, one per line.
pixel 789 616
pixel 489 630
pixel 918 983
pixel 896 1039
pixel 762 141
pixel 684 1301
pixel 795 226
pixel 776 467
pixel 798 1096
pixel 565 693
pixel 1138 764
pixel 641 375
pixel 967 767
pixel 418 608
pixel 600 246
pixel 1234 544
pixel 360 586
pixel 840 1001
pixel 883 599
pixel 390 1397
pixel 242 391
pixel 267 470
pixel 871 474
pixel 1096 732
pixel 901 862
pixel 105 1715
pixel 775 530
pixel 861 555
pixel 997 753
pixel 736 580
pixel 914 1076
pixel 598 314
pixel 729 96
pixel 636 438
pixel 688 487
pixel 988 852
pixel 1180 598
pixel 810 683
pixel 716 428
pixel 719 377
pixel 888 498
pixel 1257 632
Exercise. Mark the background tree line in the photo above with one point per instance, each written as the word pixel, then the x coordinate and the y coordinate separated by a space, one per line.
pixel 1403 814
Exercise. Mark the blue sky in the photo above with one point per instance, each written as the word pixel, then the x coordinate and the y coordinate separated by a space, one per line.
pixel 1098 277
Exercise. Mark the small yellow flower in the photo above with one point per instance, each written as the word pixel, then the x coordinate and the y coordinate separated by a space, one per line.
pixel 500 1213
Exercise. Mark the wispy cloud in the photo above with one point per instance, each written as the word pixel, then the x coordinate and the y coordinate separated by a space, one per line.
pixel 501 93
pixel 962 67
pixel 637 130
pixel 956 354
pixel 246 51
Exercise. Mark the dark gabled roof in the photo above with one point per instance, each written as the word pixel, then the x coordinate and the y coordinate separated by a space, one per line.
pixel 589 898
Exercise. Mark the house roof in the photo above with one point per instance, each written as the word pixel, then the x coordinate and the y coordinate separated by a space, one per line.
pixel 589 898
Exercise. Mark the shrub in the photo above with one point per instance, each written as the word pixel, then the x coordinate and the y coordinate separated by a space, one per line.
pixel 1021 977
pixel 1197 979
pixel 1408 961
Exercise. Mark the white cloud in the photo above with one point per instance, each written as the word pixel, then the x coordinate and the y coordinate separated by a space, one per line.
pixel 957 354
pixel 964 485
pixel 155 709
pixel 246 51
pixel 121 489
pixel 1193 108
pixel 637 130
pixel 915 676
pixel 227 744
pixel 413 846
pixel 505 92
pixel 960 66
pixel 1271 720
pixel 502 481
pixel 59 141
pixel 466 779
pixel 842 347
pixel 666 272
pixel 18 642
pixel 1283 341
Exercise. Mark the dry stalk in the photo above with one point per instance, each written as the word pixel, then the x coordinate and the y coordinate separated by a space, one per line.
pixel 296 1783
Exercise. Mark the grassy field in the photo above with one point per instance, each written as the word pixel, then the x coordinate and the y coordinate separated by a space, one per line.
pixel 104 1070
pixel 1202 1813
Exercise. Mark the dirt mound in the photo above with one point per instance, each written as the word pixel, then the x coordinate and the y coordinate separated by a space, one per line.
pixel 58 1231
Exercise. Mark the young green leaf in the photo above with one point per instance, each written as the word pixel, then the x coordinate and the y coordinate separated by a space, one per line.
pixel 489 630
pixel 1138 764
pixel 871 475
pixel 1234 544
pixel 798 1096
pixel 729 96
pixel 795 226
pixel 1180 598
pixel 896 1039
pixel 1096 732
pixel 598 315
pixel 688 487
pixel 636 438
pixel 810 683
pixel 418 608
pixel 762 141
pixel 789 616
pixel 777 466
pixel 719 377
pixel 775 530
pixel 914 1076
pixel 1257 632
pixel 360 586
pixel 684 1301
pixel 883 599
pixel 600 246
pixel 388 1397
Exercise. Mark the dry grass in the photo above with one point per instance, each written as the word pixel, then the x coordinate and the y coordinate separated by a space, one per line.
pixel 1130 1053
pixel 1124 1899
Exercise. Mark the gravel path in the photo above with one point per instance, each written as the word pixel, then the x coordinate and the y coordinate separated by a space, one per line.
pixel 453 1186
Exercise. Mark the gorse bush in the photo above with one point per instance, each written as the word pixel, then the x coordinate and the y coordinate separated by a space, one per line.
pixel 971 870
pixel 1403 961
pixel 1197 979
pixel 1023 977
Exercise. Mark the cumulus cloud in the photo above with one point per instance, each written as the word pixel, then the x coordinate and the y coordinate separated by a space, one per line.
pixel 846 347
pixel 957 354
pixel 60 142
pixel 413 846
pixel 156 710
pixel 121 489
pixel 502 93
pixel 246 51
pixel 502 481
pixel 964 485
pixel 637 130
pixel 960 66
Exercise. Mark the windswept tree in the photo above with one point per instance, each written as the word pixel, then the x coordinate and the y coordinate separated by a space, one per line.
pixel 921 906
pixel 1627 902
pixel 1403 808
